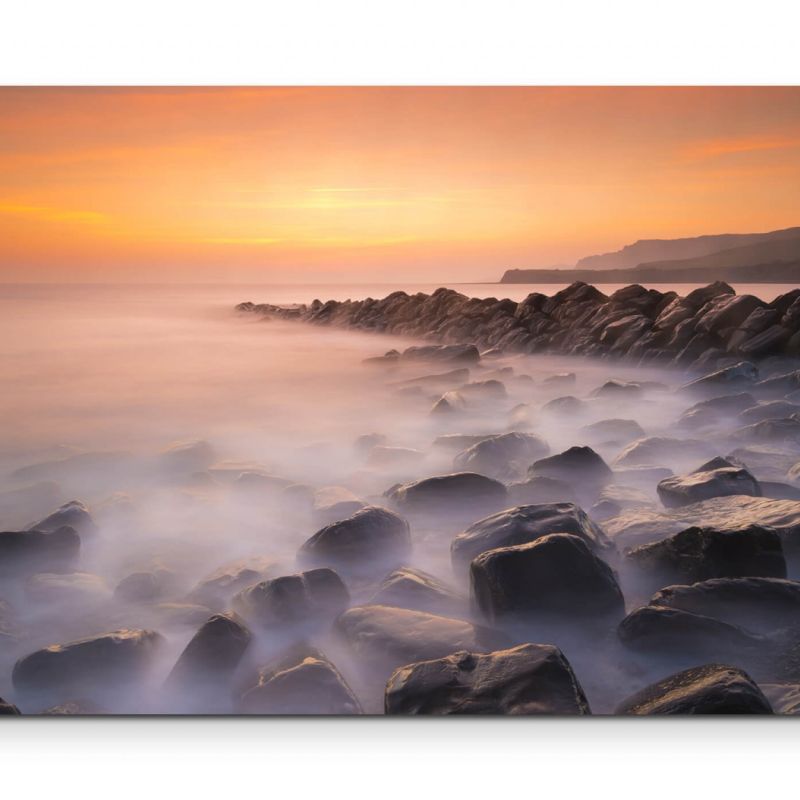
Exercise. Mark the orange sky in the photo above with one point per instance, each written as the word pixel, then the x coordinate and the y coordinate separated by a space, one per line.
pixel 384 184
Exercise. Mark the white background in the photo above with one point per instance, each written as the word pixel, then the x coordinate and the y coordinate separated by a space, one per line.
pixel 414 42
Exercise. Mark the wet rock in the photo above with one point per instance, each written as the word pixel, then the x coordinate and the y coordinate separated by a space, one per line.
pixel 522 525
pixel 779 491
pixel 716 478
pixel 698 554
pixel 760 604
pixel 417 590
pixel 554 575
pixel 539 490
pixel 260 484
pixel 213 653
pixel 675 633
pixel 524 680
pixel 709 689
pixel 459 494
pixel 302 682
pixel 617 431
pixel 739 376
pixel 371 537
pixel 778 385
pixel 314 597
pixel 503 456
pixel 216 589
pixel 111 659
pixel 8 709
pixel 32 550
pixel 783 697
pixel 393 637
pixel 773 409
pixel 579 466
pixel 73 515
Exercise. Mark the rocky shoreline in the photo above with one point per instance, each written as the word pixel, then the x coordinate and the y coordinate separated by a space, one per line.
pixel 708 325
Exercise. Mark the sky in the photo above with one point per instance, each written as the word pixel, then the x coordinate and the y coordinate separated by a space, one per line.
pixel 362 184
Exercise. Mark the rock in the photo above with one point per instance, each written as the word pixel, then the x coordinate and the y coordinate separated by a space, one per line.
pixel 524 680
pixel 75 708
pixel 709 689
pixel 717 478
pixel 522 525
pixel 771 431
pixel 458 494
pixel 8 709
pixel 143 586
pixel 566 406
pixel 663 451
pixel 73 515
pixel 80 588
pixel 760 604
pixel 312 597
pixel 303 682
pixel 739 376
pixel 538 490
pixel 561 379
pixel 766 463
pixel 189 456
pixel 393 637
pixel 216 589
pixel 31 550
pixel 772 409
pixel 779 491
pixel 449 403
pixel 456 442
pixel 260 484
pixel 332 503
pixel 455 353
pixel 778 385
pixel 442 381
pixel 698 554
pixel 579 466
pixel 371 537
pixel 105 661
pixel 556 574
pixel 617 431
pixel 503 456
pixel 659 630
pixel 382 456
pixel 783 697
pixel 213 653
pixel 366 442
pixel 415 589
pixel 617 390
pixel 484 391
pixel 712 412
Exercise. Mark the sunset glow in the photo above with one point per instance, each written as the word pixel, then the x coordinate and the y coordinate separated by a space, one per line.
pixel 303 184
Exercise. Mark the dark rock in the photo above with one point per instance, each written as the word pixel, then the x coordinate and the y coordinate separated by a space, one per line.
pixel 771 431
pixel 741 375
pixel 556 574
pixel 761 604
pixel 776 409
pixel 312 597
pixel 617 390
pixel 710 689
pixel 73 515
pixel 778 385
pixel 525 680
pixel 698 554
pixel 371 537
pixel 717 478
pixel 441 381
pixel 392 637
pixel 32 550
pixel 8 709
pixel 87 664
pixel 415 589
pixel 579 466
pixel 522 525
pixel 302 682
pixel 502 456
pixel 459 494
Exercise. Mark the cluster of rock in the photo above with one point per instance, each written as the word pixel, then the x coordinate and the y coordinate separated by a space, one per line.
pixel 644 324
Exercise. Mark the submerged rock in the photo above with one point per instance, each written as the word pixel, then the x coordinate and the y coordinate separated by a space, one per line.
pixel 216 589
pixel 74 515
pixel 579 466
pixel 522 525
pixel 555 575
pixel 524 680
pixel 503 456
pixel 32 550
pixel 662 451
pixel 371 537
pixel 621 431
pixel 710 689
pixel 717 478
pixel 412 588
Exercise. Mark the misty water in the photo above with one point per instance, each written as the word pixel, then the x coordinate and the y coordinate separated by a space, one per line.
pixel 148 403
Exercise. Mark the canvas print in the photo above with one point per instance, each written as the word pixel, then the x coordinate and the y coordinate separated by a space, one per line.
pixel 399 401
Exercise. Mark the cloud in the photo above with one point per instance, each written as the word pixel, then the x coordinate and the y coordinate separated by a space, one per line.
pixel 50 214
pixel 713 148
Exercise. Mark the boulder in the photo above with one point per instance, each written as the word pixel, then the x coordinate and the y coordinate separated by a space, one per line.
pixel 616 431
pixel 567 406
pixel 770 409
pixel 556 574
pixel 717 478
pixel 663 451
pixel 143 586
pixel 216 589
pixel 73 515
pixel 393 637
pixel 213 653
pixel 333 503
pixel 29 551
pixel 108 660
pixel 709 689
pixel 698 554
pixel 314 597
pixel 529 679
pixel 8 709
pixel 778 385
pixel 412 588
pixel 459 494
pixel 759 604
pixel 503 456
pixel 771 431
pixel 742 375
pixel 372 537
pixel 522 525
pixel 579 466
pixel 449 403
pixel 712 412
pixel 302 682
pixel 484 391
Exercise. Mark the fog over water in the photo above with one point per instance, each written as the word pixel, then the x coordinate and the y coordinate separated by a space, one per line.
pixel 100 381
